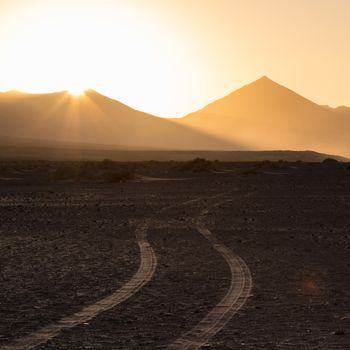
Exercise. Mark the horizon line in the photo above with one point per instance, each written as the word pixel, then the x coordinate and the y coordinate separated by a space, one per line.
pixel 84 91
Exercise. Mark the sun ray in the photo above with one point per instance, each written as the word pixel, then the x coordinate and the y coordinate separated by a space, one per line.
pixel 77 92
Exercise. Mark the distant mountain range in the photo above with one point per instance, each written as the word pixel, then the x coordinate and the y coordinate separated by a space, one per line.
pixel 260 116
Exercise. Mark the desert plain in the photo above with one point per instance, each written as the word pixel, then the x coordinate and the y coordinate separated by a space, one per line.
pixel 231 256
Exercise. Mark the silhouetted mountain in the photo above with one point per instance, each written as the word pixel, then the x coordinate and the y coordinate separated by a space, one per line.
pixel 95 119
pixel 266 115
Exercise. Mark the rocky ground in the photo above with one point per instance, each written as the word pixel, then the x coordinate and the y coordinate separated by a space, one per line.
pixel 68 244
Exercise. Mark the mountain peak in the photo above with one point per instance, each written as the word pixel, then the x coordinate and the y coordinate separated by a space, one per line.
pixel 263 92
pixel 264 78
pixel 264 81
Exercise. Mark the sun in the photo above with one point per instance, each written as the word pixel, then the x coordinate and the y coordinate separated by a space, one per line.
pixel 77 91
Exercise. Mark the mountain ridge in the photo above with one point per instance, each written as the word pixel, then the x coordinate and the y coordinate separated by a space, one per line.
pixel 262 115
pixel 95 118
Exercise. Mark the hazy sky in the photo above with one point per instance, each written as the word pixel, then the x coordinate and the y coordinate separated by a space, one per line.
pixel 171 57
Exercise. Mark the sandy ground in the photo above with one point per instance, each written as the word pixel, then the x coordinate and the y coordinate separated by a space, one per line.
pixel 65 246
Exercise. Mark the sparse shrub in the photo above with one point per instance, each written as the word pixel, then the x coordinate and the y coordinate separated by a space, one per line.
pixel 105 171
pixel 330 161
pixel 259 167
pixel 197 165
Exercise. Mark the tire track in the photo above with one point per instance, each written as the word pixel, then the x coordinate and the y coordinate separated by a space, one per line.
pixel 144 274
pixel 235 298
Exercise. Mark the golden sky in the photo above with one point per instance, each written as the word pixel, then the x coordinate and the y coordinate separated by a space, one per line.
pixel 171 57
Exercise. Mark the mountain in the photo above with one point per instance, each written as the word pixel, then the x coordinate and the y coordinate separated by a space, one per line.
pixel 94 119
pixel 266 116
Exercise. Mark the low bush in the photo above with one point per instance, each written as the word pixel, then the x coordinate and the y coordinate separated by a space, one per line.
pixel 198 165
pixel 105 171
pixel 330 161
pixel 265 165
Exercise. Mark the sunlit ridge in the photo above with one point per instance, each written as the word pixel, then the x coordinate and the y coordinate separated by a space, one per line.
pixel 77 91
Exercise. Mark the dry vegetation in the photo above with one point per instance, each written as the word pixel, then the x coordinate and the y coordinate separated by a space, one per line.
pixel 198 165
pixel 263 166
pixel 106 171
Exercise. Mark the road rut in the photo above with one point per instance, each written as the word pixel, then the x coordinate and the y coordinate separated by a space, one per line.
pixel 235 298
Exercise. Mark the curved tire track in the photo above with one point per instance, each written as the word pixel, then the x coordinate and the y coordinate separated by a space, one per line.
pixel 144 274
pixel 235 298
